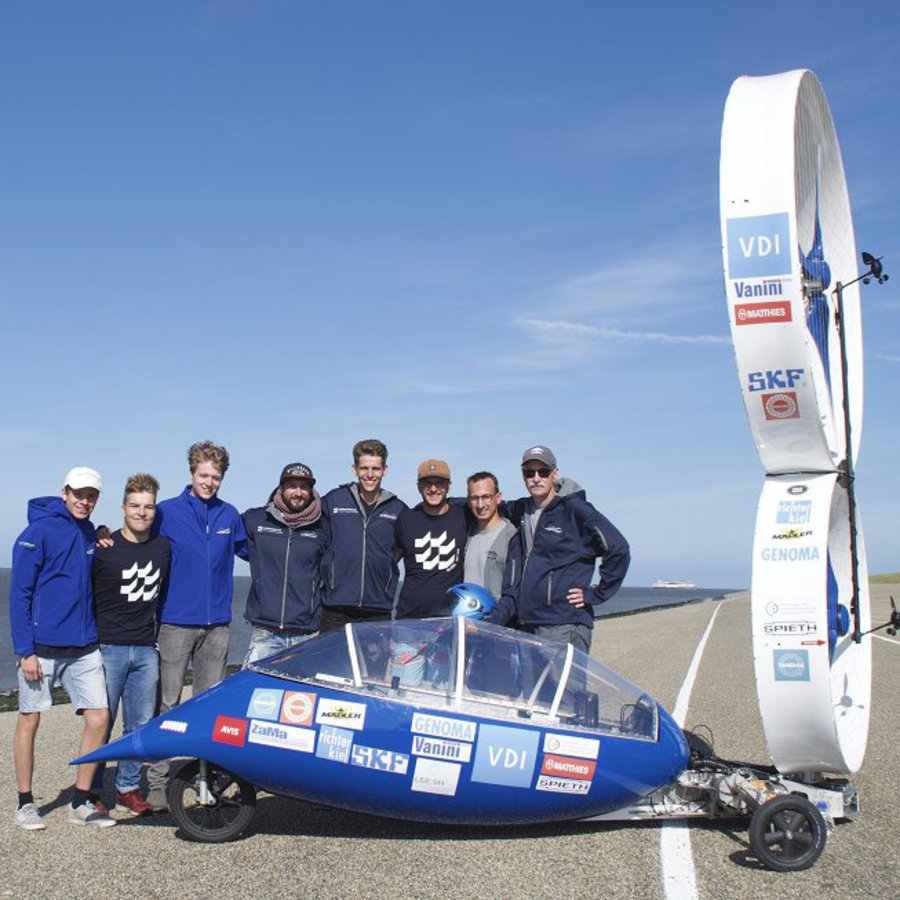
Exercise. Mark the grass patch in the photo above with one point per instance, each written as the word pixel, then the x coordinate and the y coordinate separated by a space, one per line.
pixel 891 578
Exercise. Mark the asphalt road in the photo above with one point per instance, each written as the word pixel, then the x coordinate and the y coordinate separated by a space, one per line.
pixel 294 847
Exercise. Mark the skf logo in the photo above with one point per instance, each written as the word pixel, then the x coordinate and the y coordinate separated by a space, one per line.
pixel 230 731
pixel 782 405
pixel 774 379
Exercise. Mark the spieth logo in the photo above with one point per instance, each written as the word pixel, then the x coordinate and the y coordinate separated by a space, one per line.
pixel 437 552
pixel 790 628
pixel 230 731
pixel 140 583
pixel 562 785
pixel 780 406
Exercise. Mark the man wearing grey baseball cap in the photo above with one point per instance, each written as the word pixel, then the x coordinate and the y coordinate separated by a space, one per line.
pixel 552 558
pixel 51 567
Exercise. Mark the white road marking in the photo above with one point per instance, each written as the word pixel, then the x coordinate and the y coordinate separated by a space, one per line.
pixel 888 640
pixel 676 858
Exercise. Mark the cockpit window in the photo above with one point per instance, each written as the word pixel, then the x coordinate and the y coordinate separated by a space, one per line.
pixel 474 667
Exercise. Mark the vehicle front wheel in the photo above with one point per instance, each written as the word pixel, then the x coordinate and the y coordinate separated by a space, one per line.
pixel 787 833
pixel 231 807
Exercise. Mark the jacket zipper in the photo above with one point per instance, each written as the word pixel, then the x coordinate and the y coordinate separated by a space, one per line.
pixel 287 556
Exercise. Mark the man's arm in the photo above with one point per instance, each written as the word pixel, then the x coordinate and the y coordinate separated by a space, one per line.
pixel 505 610
pixel 241 542
pixel 27 560
pixel 608 543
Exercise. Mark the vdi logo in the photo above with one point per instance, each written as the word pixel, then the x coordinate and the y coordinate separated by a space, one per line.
pixel 758 246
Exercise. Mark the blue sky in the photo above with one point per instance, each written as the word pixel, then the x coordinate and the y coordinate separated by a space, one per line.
pixel 461 227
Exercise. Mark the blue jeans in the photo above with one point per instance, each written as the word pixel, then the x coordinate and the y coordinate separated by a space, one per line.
pixel 264 643
pixel 132 676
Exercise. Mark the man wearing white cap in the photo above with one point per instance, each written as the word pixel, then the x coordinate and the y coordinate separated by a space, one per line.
pixel 54 634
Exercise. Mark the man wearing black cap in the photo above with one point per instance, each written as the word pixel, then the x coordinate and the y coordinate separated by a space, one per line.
pixel 286 540
pixel 552 558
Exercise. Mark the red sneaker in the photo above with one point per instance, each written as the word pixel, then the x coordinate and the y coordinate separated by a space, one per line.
pixel 134 801
pixel 99 805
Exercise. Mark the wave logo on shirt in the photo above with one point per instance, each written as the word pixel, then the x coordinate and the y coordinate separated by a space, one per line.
pixel 140 583
pixel 437 552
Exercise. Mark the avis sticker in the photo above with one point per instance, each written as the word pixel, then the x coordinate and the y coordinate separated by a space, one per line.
pixel 230 731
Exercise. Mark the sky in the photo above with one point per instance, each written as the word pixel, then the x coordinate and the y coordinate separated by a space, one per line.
pixel 461 227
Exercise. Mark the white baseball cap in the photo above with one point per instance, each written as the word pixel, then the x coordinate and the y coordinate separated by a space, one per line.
pixel 83 477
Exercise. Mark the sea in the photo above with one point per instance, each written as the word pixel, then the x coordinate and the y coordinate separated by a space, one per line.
pixel 627 601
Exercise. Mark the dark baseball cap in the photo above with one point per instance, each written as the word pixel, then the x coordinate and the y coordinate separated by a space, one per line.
pixel 297 470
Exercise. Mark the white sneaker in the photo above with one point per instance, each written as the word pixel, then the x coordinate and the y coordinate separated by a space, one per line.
pixel 88 814
pixel 29 818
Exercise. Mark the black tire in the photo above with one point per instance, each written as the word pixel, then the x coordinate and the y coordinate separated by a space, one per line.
pixel 223 820
pixel 787 833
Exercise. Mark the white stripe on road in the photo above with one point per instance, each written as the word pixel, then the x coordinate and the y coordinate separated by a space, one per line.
pixel 676 859
pixel 888 640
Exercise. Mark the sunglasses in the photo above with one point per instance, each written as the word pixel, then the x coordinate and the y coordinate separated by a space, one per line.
pixel 543 471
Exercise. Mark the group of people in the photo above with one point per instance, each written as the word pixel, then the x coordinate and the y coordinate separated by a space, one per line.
pixel 117 617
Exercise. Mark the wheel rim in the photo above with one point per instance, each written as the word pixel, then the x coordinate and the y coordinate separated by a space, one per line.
pixel 789 835
pixel 219 816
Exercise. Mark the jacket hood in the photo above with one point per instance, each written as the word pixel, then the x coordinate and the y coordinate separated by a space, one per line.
pixel 48 507
pixel 353 487
pixel 568 487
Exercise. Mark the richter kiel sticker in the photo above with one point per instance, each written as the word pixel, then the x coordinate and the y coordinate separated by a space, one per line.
pixel 782 405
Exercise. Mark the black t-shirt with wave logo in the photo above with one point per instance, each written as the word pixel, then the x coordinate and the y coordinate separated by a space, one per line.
pixel 433 558
pixel 129 580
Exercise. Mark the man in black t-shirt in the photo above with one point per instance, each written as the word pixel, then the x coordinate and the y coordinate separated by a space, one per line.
pixel 128 580
pixel 431 539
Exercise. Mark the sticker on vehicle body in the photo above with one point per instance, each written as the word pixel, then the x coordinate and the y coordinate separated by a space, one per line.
pixel 505 756
pixel 173 725
pixel 334 743
pixel 297 708
pixel 229 730
pixel 562 785
pixel 264 704
pixel 444 727
pixel 380 760
pixel 437 748
pixel 285 737
pixel 569 745
pixel 432 776
pixel 568 767
pixel 342 713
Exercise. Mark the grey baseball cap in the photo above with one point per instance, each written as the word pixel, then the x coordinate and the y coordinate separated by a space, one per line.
pixel 539 454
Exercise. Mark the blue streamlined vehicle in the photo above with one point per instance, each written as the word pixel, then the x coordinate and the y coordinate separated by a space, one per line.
pixel 455 720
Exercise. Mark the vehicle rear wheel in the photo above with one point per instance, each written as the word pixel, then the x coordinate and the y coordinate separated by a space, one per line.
pixel 787 833
pixel 231 807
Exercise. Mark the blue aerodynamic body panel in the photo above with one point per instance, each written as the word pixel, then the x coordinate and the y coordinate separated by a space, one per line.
pixel 443 720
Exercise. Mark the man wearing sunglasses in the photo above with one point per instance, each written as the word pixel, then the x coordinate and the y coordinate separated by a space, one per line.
pixel 552 558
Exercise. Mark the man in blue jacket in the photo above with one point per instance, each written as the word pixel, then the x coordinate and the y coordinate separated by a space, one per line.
pixel 54 636
pixel 286 540
pixel 359 571
pixel 205 533
pixel 552 558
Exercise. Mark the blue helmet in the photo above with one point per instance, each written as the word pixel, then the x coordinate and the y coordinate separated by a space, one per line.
pixel 469 600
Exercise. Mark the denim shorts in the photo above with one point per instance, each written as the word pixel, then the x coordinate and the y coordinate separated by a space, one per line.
pixel 81 676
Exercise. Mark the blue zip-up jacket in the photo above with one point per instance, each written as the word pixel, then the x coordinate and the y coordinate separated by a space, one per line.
pixel 50 597
pixel 569 538
pixel 205 538
pixel 359 568
pixel 285 568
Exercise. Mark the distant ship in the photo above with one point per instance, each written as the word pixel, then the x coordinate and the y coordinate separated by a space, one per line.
pixel 660 583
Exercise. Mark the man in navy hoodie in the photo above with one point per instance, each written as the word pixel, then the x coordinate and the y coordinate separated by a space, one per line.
pixel 205 533
pixel 286 541
pixel 552 558
pixel 55 636
pixel 359 571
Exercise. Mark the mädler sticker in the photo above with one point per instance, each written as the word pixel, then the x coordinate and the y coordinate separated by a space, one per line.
pixel 230 731
pixel 568 767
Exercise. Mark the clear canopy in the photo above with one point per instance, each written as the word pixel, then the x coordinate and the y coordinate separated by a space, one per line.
pixel 473 667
